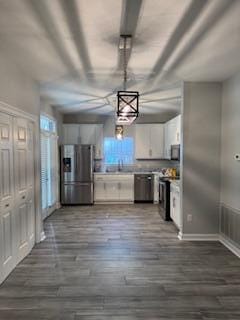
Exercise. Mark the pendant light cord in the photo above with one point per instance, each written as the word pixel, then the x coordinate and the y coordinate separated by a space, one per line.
pixel 125 64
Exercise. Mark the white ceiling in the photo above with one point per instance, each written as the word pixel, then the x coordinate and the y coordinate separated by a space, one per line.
pixel 70 47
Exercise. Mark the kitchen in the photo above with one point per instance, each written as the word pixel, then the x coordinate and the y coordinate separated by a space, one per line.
pixel 153 155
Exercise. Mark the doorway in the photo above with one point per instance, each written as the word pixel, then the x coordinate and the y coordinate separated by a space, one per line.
pixel 49 165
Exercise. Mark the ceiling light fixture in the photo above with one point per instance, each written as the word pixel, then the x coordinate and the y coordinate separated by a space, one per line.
pixel 127 101
pixel 119 132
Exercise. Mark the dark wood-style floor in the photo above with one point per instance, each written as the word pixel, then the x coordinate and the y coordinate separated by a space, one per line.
pixel 121 263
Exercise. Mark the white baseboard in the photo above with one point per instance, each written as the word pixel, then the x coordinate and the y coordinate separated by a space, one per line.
pixel 113 202
pixel 230 245
pixel 211 237
pixel 198 237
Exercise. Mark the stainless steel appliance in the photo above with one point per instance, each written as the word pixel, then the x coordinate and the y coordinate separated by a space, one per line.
pixel 143 187
pixel 175 152
pixel 77 174
pixel 164 198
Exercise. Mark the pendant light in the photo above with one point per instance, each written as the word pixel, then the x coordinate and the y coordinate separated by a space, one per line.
pixel 119 132
pixel 127 101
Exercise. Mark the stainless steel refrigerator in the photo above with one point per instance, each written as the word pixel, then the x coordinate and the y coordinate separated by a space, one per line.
pixel 77 174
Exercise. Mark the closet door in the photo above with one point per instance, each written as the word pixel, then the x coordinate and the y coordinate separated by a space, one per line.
pixel 7 213
pixel 23 186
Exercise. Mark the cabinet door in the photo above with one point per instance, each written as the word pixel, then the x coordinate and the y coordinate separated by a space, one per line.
pixel 178 130
pixel 112 190
pixel 175 207
pixel 166 141
pixel 21 172
pixel 7 212
pixel 99 189
pixel 71 134
pixel 87 133
pixel 142 141
pixel 157 141
pixel 126 188
pixel 99 141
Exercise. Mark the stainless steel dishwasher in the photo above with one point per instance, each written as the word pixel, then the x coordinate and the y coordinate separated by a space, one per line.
pixel 143 187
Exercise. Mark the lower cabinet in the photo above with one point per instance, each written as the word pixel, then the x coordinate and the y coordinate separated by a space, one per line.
pixel 113 188
pixel 175 204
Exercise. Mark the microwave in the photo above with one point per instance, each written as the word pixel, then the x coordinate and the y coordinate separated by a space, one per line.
pixel 175 152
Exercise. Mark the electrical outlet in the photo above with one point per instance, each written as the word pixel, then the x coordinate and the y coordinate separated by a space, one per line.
pixel 189 217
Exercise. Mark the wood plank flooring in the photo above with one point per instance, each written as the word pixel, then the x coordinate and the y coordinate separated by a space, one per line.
pixel 121 263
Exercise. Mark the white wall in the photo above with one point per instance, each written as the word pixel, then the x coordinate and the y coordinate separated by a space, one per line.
pixel 230 168
pixel 16 88
pixel 201 157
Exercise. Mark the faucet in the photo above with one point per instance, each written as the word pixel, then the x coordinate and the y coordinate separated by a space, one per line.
pixel 120 165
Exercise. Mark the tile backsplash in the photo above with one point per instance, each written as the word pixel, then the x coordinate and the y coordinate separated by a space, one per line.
pixel 139 165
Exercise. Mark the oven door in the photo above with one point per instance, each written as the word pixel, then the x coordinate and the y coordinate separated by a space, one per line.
pixel 162 195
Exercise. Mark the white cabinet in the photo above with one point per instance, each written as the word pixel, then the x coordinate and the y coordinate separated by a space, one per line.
pixel 126 188
pixel 175 210
pixel 149 141
pixel 71 134
pixel 157 141
pixel 172 135
pixel 99 188
pixel 85 134
pixel 98 141
pixel 142 141
pixel 113 188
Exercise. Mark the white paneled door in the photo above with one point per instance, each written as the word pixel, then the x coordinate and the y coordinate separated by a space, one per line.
pixel 7 213
pixel 24 186
pixel 17 209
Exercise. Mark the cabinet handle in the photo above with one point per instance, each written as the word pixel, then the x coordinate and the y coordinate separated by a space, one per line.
pixel 23 197
pixel 7 205
pixel 150 152
pixel 119 185
pixel 174 202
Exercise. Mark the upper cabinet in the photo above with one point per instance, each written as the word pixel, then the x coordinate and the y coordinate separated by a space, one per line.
pixel 71 134
pixel 85 134
pixel 149 141
pixel 172 134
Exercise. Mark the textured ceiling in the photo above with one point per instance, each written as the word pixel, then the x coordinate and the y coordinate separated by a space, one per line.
pixel 70 47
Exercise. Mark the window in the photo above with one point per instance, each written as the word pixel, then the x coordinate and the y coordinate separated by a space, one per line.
pixel 48 164
pixel 115 150
pixel 47 124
